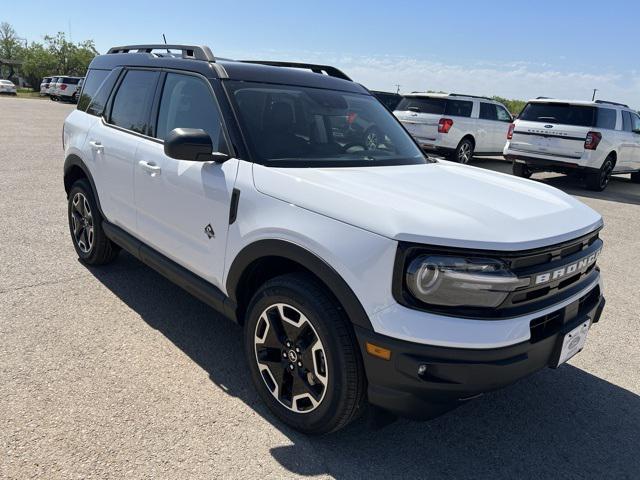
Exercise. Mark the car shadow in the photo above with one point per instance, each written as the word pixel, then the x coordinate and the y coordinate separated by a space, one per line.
pixel 555 424
pixel 620 189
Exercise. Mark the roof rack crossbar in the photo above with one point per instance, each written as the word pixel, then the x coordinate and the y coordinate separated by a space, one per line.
pixel 613 103
pixel 470 96
pixel 191 52
pixel 327 69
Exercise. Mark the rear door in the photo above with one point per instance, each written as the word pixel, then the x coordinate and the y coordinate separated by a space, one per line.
pixel 420 116
pixel 553 128
pixel 493 124
pixel 183 206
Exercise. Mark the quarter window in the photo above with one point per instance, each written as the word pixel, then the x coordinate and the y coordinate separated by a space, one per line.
pixel 132 103
pixel 91 85
pixel 187 102
pixel 458 108
pixel 503 115
pixel 606 118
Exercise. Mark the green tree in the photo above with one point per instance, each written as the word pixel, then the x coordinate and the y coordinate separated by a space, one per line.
pixel 38 62
pixel 71 58
pixel 10 46
pixel 514 106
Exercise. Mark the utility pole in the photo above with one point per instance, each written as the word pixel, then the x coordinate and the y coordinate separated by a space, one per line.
pixel 397 85
pixel 594 94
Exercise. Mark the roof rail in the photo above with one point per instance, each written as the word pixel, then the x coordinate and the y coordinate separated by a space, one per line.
pixel 191 52
pixel 612 103
pixel 327 69
pixel 470 96
pixel 544 98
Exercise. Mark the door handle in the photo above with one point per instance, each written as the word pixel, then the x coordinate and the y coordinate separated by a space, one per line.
pixel 151 168
pixel 96 146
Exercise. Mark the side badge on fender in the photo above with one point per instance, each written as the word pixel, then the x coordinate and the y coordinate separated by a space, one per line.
pixel 209 231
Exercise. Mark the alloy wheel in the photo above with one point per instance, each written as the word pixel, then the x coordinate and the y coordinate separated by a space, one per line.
pixel 82 222
pixel 605 174
pixel 291 358
pixel 464 153
pixel 371 141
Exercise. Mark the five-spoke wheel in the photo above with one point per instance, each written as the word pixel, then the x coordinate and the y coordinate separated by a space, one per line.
pixel 82 222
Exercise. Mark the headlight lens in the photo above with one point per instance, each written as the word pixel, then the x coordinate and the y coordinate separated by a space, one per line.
pixel 459 281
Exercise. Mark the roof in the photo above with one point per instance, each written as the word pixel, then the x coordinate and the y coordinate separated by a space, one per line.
pixel 199 60
pixel 448 95
pixel 587 103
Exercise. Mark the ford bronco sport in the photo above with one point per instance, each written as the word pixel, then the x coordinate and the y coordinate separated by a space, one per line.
pixel 363 272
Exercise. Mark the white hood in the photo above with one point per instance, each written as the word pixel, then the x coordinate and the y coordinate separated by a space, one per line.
pixel 440 203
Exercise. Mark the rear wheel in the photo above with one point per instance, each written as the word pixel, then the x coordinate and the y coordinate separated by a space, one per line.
pixel 521 170
pixel 599 179
pixel 303 357
pixel 464 151
pixel 85 224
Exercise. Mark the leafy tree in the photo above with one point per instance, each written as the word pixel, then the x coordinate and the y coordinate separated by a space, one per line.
pixel 514 106
pixel 70 58
pixel 10 46
pixel 38 63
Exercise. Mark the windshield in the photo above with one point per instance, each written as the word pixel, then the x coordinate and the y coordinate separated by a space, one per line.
pixel 563 113
pixel 296 126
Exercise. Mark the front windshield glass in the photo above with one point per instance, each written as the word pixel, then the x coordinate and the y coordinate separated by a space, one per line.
pixel 309 127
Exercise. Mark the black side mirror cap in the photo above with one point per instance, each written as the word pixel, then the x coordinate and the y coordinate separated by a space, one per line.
pixel 193 144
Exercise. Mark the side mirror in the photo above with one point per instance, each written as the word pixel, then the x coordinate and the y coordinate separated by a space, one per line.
pixel 192 144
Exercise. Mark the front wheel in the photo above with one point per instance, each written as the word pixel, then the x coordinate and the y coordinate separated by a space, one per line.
pixel 464 151
pixel 598 180
pixel 303 356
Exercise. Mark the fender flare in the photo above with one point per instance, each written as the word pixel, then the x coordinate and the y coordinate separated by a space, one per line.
pixel 325 272
pixel 72 161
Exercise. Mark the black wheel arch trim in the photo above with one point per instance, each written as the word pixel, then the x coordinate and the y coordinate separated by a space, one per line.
pixel 290 251
pixel 74 161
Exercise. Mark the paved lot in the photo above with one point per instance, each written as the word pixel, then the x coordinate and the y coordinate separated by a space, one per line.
pixel 115 372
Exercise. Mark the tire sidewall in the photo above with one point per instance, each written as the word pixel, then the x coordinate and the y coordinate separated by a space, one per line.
pixel 321 416
pixel 82 186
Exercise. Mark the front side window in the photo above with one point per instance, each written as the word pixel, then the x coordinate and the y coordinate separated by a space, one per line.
pixel 132 103
pixel 458 108
pixel 187 102
pixel 562 113
pixel 288 125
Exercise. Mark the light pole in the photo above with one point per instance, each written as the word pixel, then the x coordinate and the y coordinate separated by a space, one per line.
pixel 594 94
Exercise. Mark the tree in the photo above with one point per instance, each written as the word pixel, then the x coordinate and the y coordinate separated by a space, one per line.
pixel 10 46
pixel 70 58
pixel 38 62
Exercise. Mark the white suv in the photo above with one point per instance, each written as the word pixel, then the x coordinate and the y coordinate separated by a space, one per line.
pixel 591 139
pixel 66 89
pixel 362 271
pixel 454 125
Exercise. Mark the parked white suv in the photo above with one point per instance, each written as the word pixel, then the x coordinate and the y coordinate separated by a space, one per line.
pixel 362 271
pixel 66 89
pixel 456 126
pixel 590 139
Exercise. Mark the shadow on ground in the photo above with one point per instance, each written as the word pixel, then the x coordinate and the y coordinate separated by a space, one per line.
pixel 620 189
pixel 555 424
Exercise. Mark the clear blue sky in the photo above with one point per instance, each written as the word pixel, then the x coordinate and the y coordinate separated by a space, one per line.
pixel 513 49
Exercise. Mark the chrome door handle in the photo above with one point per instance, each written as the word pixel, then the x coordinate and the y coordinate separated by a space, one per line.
pixel 96 146
pixel 151 168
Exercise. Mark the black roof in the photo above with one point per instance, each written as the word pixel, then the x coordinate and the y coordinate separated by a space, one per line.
pixel 269 72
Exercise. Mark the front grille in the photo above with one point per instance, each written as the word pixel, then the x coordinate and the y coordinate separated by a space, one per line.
pixel 550 324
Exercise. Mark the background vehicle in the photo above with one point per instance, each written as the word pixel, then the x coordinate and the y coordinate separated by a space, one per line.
pixel 44 86
pixel 454 125
pixel 593 140
pixel 390 100
pixel 8 87
pixel 227 178
pixel 53 88
pixel 66 89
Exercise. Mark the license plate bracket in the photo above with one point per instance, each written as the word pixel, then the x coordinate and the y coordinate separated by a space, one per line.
pixel 572 342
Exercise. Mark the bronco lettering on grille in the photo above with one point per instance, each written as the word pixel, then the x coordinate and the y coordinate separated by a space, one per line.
pixel 575 267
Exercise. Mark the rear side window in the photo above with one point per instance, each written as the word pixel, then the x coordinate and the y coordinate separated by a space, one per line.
pixel 458 108
pixel 626 121
pixel 93 81
pixel 606 118
pixel 187 102
pixel 488 111
pixel 562 113
pixel 422 105
pixel 133 99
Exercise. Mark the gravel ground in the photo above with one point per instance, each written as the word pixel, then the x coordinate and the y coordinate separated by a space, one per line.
pixel 115 372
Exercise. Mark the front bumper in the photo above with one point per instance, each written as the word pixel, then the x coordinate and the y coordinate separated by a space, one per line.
pixel 452 376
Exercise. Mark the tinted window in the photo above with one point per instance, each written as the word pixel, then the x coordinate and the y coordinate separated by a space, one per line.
pixel 488 111
pixel 71 81
pixel 422 104
pixel 503 114
pixel 296 126
pixel 91 85
pixel 390 100
pixel 132 102
pixel 187 102
pixel 635 122
pixel 99 100
pixel 626 121
pixel 458 108
pixel 606 118
pixel 563 113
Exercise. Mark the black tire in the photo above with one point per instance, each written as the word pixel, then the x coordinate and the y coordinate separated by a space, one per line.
pixel 464 151
pixel 341 397
pixel 85 226
pixel 599 179
pixel 521 170
pixel 635 177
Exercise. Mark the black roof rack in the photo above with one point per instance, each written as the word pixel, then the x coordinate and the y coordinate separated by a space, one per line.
pixel 470 96
pixel 191 52
pixel 612 103
pixel 544 98
pixel 327 69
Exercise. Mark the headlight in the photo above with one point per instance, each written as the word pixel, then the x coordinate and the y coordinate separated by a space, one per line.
pixel 459 281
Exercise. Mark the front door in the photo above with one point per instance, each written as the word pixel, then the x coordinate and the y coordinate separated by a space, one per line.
pixel 183 206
